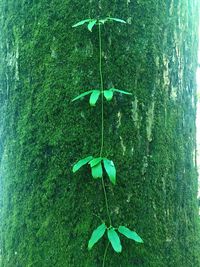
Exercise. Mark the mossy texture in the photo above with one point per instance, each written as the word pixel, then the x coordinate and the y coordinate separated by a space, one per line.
pixel 48 214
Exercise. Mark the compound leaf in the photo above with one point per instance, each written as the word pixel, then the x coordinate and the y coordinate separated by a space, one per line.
pixel 97 171
pixel 108 94
pixel 121 91
pixel 130 234
pixel 80 163
pixel 110 169
pixel 81 22
pixel 82 95
pixel 95 161
pixel 96 235
pixel 94 97
pixel 118 20
pixel 114 240
pixel 91 24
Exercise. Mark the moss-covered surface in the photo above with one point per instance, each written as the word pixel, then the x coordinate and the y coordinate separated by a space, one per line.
pixel 47 214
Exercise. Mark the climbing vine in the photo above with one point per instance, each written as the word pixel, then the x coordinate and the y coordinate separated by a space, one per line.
pixel 99 164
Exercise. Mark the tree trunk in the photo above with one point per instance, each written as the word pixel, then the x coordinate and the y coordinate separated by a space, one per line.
pixel 48 213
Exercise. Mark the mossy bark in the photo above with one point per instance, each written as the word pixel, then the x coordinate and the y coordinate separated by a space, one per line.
pixel 48 214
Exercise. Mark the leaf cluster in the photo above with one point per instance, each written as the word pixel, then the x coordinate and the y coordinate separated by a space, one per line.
pixel 97 168
pixel 94 95
pixel 113 236
pixel 92 22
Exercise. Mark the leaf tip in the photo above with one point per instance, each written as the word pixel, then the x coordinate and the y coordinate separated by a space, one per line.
pixel 89 247
pixel 73 169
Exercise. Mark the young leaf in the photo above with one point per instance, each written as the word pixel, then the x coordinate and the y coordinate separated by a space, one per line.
pixel 94 161
pixel 102 21
pixel 130 234
pixel 97 171
pixel 118 20
pixel 110 169
pixel 81 22
pixel 96 235
pixel 91 24
pixel 81 162
pixel 108 94
pixel 94 97
pixel 82 95
pixel 114 240
pixel 120 91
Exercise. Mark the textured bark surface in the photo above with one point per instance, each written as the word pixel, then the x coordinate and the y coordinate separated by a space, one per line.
pixel 47 214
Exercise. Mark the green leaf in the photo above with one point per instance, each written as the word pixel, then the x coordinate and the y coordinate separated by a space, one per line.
pixel 130 234
pixel 82 95
pixel 118 20
pixel 108 94
pixel 97 171
pixel 110 169
pixel 94 97
pixel 96 235
pixel 81 22
pixel 91 24
pixel 114 240
pixel 120 91
pixel 95 161
pixel 80 163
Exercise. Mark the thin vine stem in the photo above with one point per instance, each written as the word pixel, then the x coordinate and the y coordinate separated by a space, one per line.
pixel 106 201
pixel 105 253
pixel 102 87
pixel 102 120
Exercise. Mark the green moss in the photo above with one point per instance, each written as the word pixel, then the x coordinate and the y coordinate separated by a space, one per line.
pixel 47 214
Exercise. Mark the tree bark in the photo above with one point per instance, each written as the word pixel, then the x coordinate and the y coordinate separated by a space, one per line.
pixel 48 213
